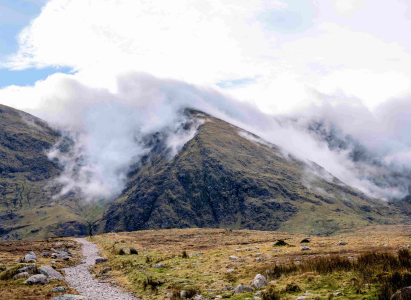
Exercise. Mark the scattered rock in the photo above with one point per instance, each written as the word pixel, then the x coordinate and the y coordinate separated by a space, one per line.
pixel 169 295
pixel 183 294
pixel 272 282
pixel 198 297
pixel 256 247
pixel 30 257
pixel 21 275
pixel 233 257
pixel 227 288
pixel 59 289
pixel 403 294
pixel 342 243
pixel 70 244
pixel 301 298
pixel 69 297
pixel 51 273
pixel 218 297
pixel 32 269
pixel 305 248
pixel 53 262
pixel 259 281
pixel 57 245
pixel 237 250
pixel 242 289
pixel 45 254
pixel 159 266
pixel 276 250
pixel 37 279
pixel 259 259
pixel 100 260
pixel 258 254
pixel 230 270
pixel 247 249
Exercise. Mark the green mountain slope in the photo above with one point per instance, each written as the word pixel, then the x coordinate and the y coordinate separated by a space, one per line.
pixel 27 207
pixel 222 179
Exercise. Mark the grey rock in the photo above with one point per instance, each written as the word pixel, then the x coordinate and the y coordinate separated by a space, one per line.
pixel 183 294
pixel 259 259
pixel 342 243
pixel 247 249
pixel 233 257
pixel 70 244
pixel 169 295
pixel 45 254
pixel 403 294
pixel 100 260
pixel 256 247
pixel 69 297
pixel 37 279
pixel 242 289
pixel 30 257
pixel 159 266
pixel 198 297
pixel 259 281
pixel 227 288
pixel 57 245
pixel 59 289
pixel 305 248
pixel 230 270
pixel 301 298
pixel 21 275
pixel 32 269
pixel 51 273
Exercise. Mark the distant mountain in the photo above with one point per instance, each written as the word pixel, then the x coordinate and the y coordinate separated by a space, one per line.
pixel 224 177
pixel 227 178
pixel 27 206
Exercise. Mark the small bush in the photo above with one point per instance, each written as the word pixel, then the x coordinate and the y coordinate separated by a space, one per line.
pixel 292 288
pixel 191 292
pixel 152 284
pixel 305 241
pixel 281 243
pixel 133 251
pixel 184 254
pixel 176 293
pixel 270 293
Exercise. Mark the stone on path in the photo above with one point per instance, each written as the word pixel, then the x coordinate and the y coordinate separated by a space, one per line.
pixel 69 297
pixel 305 248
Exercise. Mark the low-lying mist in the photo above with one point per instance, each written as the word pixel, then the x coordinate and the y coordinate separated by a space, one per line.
pixel 366 150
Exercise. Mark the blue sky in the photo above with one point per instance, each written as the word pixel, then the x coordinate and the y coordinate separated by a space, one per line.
pixel 14 16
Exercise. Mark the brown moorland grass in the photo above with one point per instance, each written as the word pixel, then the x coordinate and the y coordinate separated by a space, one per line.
pixel 357 270
pixel 11 289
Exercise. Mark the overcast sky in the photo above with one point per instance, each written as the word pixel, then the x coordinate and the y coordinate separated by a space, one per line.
pixel 276 54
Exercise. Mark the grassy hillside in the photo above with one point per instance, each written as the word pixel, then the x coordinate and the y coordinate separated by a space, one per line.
pixel 28 209
pixel 222 179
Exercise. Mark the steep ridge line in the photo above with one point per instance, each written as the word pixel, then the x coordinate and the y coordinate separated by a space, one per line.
pixel 80 278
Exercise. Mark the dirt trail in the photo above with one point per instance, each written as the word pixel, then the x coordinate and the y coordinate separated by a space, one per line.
pixel 80 278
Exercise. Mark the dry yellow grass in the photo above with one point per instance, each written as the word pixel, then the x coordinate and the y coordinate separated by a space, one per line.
pixel 208 271
pixel 16 289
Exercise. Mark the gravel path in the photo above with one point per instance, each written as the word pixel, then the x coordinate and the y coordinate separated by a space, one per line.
pixel 81 279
